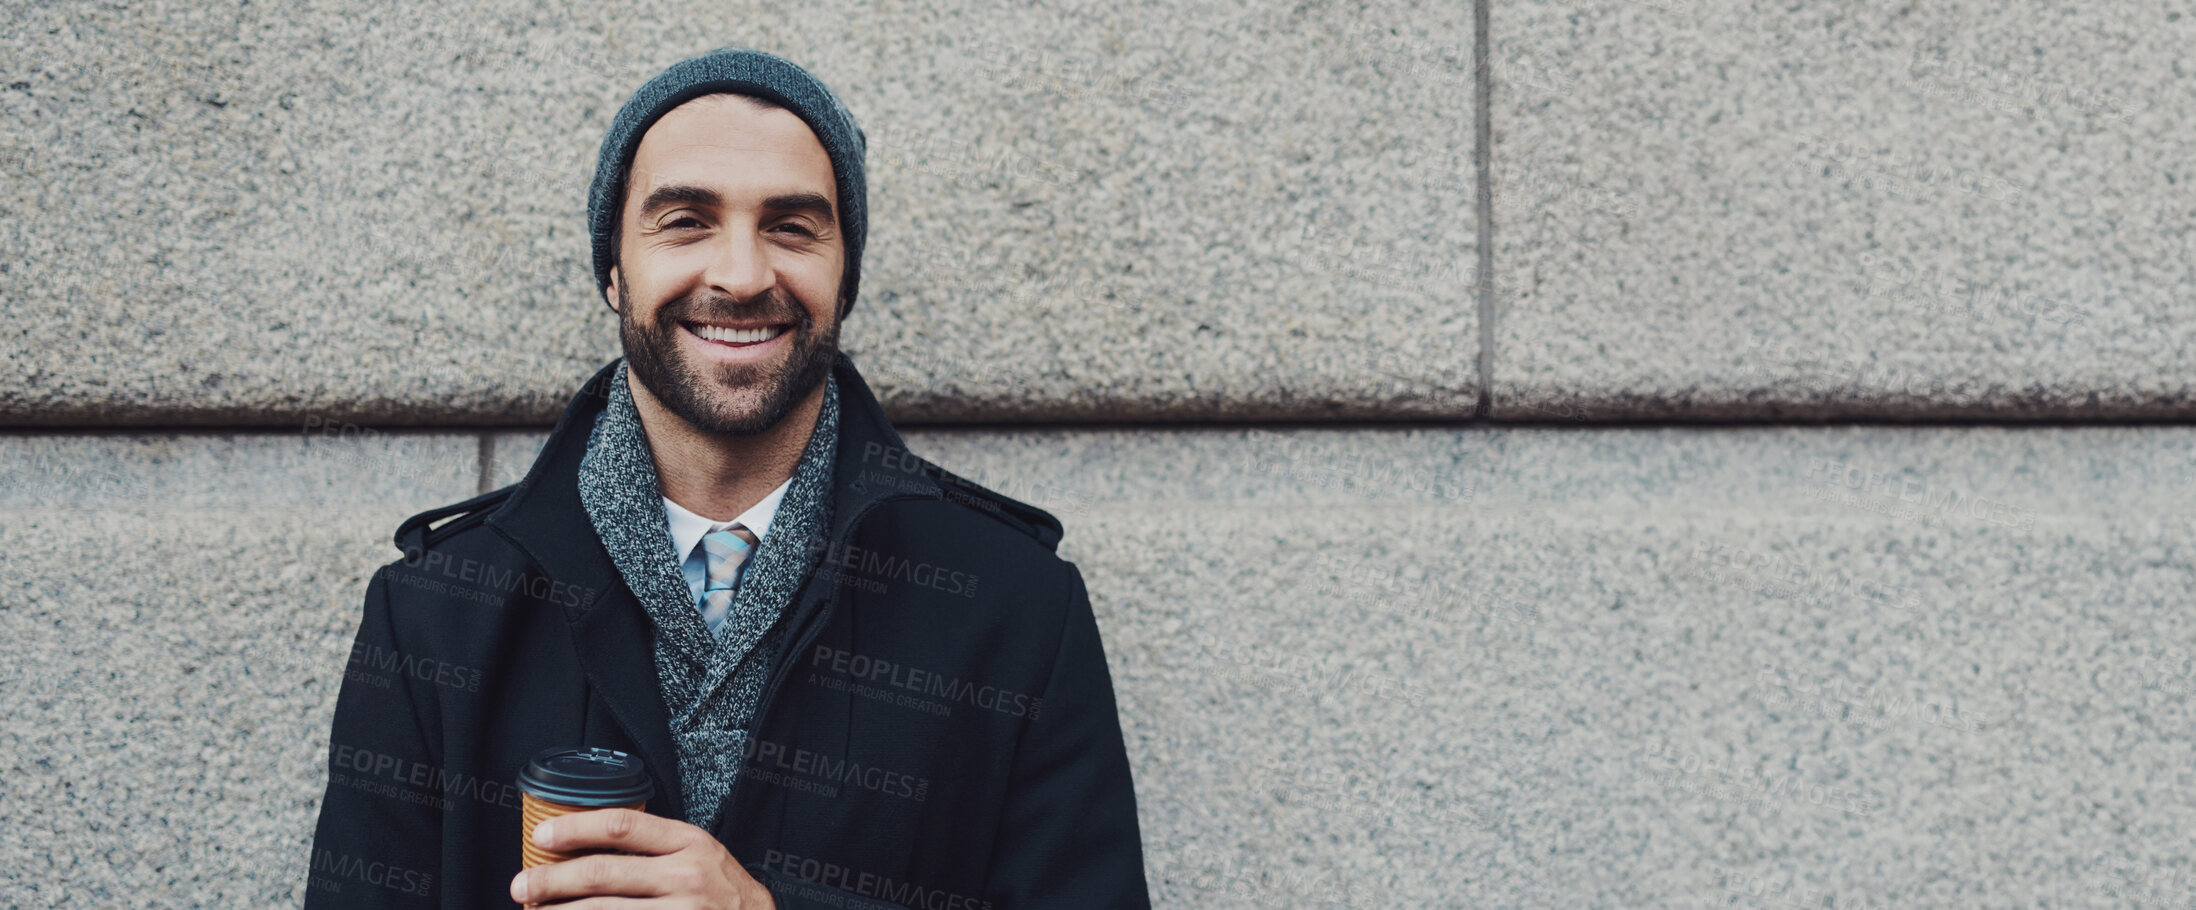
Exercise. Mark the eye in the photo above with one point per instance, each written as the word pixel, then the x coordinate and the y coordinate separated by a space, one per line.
pixel 795 227
pixel 684 221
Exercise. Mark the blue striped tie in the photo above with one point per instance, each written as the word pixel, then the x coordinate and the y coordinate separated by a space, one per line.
pixel 726 552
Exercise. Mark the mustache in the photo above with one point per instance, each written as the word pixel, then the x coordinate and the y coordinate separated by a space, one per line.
pixel 772 306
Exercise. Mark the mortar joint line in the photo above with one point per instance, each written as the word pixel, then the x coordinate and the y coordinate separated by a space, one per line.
pixel 1483 177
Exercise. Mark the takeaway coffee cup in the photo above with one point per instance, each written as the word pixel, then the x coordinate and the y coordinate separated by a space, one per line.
pixel 563 781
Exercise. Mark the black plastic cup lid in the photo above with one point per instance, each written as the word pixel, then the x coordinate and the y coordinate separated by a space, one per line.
pixel 593 777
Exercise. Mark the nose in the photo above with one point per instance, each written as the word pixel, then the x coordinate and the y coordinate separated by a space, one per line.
pixel 741 268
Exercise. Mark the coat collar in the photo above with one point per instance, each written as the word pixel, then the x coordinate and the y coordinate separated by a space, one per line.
pixel 545 519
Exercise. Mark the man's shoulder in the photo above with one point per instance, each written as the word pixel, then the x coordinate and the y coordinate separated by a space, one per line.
pixel 973 508
pixel 452 558
pixel 421 533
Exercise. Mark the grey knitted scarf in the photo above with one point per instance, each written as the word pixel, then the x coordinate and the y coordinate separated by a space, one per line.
pixel 710 685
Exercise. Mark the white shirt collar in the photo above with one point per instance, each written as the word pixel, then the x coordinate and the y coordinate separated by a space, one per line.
pixel 687 528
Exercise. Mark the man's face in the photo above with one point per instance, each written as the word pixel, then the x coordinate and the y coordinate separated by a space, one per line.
pixel 729 256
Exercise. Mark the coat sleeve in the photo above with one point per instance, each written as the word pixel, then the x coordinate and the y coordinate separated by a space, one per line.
pixel 1068 835
pixel 378 842
pixel 791 893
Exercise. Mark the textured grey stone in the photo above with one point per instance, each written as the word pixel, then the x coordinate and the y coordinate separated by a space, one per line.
pixel 237 214
pixel 336 466
pixel 178 610
pixel 1745 210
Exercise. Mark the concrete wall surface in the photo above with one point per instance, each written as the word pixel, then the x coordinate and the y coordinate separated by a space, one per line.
pixel 378 212
pixel 1740 210
pixel 1611 453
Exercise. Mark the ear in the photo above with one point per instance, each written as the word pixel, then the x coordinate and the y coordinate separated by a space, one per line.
pixel 610 292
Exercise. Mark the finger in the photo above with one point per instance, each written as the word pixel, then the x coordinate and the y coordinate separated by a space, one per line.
pixel 623 830
pixel 601 875
pixel 609 903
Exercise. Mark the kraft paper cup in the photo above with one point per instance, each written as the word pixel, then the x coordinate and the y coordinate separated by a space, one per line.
pixel 563 781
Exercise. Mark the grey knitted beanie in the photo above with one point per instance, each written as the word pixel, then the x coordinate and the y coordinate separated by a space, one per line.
pixel 748 72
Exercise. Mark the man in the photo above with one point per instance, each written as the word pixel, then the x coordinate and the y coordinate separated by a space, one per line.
pixel 857 680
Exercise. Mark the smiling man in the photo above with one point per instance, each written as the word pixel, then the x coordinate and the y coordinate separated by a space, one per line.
pixel 856 679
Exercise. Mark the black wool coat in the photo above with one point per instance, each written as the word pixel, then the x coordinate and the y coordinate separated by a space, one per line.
pixel 938 730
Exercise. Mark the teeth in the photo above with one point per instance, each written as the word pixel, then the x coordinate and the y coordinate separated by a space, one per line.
pixel 738 336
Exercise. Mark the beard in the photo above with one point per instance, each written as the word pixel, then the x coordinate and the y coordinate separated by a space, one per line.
pixel 727 400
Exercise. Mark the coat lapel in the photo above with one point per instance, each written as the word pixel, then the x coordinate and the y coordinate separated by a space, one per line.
pixel 611 632
pixel 870 452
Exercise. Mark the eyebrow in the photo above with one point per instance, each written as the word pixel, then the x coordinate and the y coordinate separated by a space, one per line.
pixel 812 204
pixel 671 194
pixel 663 197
